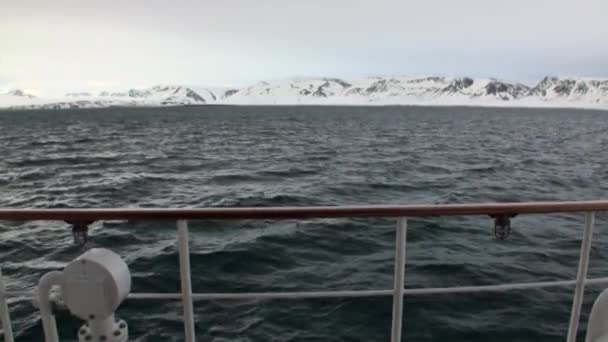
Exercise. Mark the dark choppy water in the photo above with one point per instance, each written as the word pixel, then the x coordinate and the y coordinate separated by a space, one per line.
pixel 243 156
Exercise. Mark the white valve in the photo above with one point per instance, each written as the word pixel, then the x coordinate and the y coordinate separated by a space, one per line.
pixel 92 287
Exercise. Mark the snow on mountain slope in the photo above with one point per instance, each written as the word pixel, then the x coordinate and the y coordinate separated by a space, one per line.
pixel 154 96
pixel 18 97
pixel 158 95
pixel 324 90
pixel 20 93
pixel 436 89
pixel 424 91
pixel 377 90
pixel 553 89
pixel 549 92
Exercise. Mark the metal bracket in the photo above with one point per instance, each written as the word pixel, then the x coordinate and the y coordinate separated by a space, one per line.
pixel 502 225
pixel 80 231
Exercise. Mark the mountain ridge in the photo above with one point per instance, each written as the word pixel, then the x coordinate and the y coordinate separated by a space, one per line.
pixel 550 91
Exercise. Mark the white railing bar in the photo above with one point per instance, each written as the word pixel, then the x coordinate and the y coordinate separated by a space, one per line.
pixel 370 293
pixel 595 281
pixel 399 278
pixel 186 279
pixel 492 288
pixel 11 294
pixel 297 295
pixel 5 317
pixel 154 295
pixel 28 295
pixel 267 295
pixel 581 275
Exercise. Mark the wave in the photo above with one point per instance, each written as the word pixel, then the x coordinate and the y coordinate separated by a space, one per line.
pixel 215 157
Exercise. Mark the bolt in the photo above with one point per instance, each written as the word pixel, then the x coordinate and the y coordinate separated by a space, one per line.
pixel 122 325
pixel 88 338
pixel 91 316
pixel 82 331
pixel 116 332
pixel 102 337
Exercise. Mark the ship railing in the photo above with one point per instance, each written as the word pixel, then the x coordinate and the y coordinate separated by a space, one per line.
pixel 398 291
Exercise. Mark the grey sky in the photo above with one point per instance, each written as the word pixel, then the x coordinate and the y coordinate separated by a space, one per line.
pixel 64 44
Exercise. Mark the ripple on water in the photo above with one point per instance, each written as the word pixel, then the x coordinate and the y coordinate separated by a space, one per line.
pixel 297 156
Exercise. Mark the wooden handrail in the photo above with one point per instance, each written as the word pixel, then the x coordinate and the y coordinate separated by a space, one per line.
pixel 301 212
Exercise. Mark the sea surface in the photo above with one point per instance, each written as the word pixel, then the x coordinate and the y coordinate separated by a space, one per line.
pixel 222 156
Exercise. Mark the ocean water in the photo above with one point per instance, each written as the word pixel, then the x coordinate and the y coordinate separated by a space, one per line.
pixel 219 156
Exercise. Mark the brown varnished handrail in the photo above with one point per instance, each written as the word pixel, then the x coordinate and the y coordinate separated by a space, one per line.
pixel 301 212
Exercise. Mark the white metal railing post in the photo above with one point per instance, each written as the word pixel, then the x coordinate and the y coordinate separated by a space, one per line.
pixel 581 276
pixel 186 280
pixel 399 279
pixel 5 316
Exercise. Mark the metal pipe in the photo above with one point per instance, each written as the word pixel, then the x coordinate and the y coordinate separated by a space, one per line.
pixel 5 316
pixel 369 293
pixel 46 314
pixel 267 295
pixel 595 281
pixel 423 210
pixel 23 293
pixel 491 288
pixel 27 295
pixel 583 265
pixel 186 280
pixel 399 279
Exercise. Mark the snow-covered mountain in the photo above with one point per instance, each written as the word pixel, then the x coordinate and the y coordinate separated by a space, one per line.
pixel 553 89
pixel 15 97
pixel 566 92
pixel 19 93
pixel 152 97
pixel 159 95
pixel 549 92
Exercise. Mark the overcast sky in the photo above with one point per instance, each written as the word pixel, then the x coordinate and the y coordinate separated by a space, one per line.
pixel 63 44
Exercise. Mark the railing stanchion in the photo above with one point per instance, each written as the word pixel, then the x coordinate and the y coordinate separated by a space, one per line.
pixel 4 314
pixel 186 280
pixel 581 276
pixel 399 279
